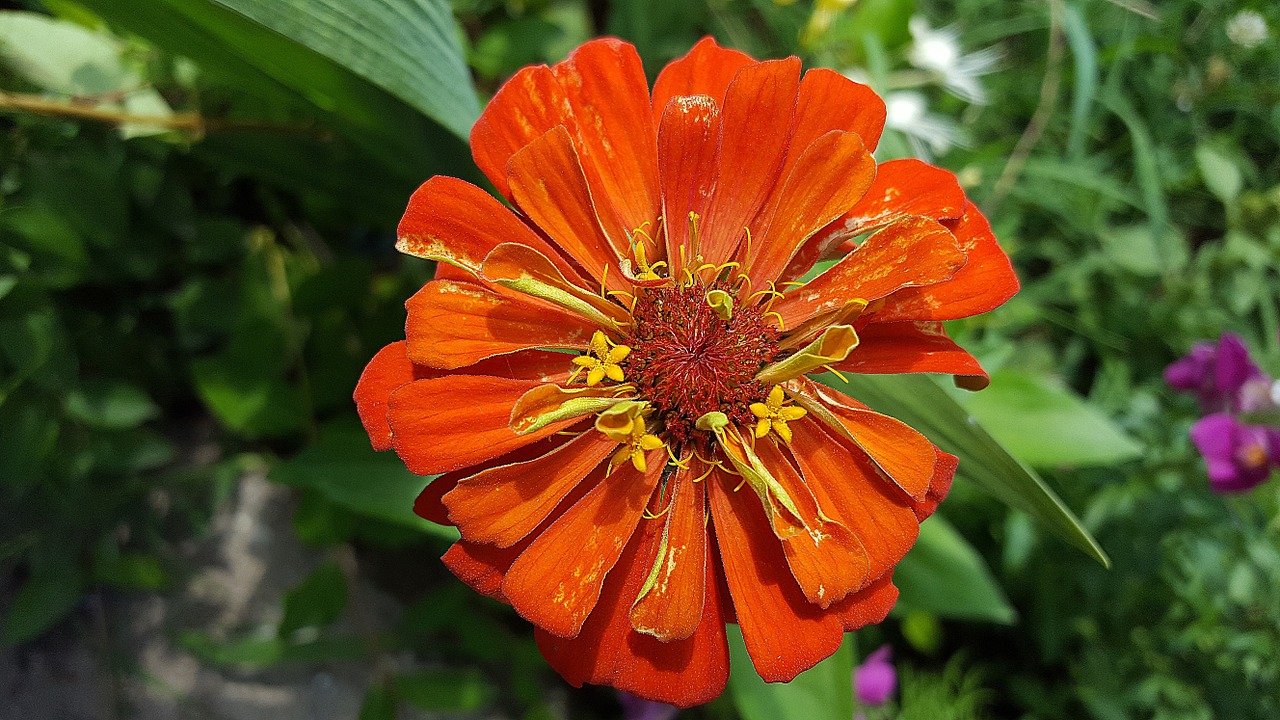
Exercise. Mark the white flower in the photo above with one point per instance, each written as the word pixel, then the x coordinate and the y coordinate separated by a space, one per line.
pixel 908 113
pixel 938 51
pixel 1247 28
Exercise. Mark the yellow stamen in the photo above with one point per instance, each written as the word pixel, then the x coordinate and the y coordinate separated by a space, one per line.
pixel 782 327
pixel 602 360
pixel 624 423
pixel 774 414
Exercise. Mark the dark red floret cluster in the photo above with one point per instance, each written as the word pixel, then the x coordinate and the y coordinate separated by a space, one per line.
pixel 688 361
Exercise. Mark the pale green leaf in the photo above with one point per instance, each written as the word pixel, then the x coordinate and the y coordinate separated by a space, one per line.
pixel 823 692
pixel 944 576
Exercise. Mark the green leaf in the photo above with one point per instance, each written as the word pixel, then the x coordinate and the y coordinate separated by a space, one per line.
pixel 111 405
pixel 68 59
pixel 316 601
pixel 1136 249
pixel 131 571
pixel 823 692
pixel 260 651
pixel 343 467
pixel 1221 175
pixel 1147 169
pixel 446 690
pixel 918 401
pixel 1084 54
pixel 51 593
pixel 944 576
pixel 409 48
pixel 379 704
pixel 1046 424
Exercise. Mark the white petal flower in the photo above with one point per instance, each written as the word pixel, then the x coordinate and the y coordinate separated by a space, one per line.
pixel 929 134
pixel 938 51
pixel 1247 28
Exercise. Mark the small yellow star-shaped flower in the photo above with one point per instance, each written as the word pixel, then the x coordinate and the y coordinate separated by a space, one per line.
pixel 602 360
pixel 774 414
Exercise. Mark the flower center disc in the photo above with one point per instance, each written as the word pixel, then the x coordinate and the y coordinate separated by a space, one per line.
pixel 688 361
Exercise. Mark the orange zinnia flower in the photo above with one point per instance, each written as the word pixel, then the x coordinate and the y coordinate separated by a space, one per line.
pixel 612 381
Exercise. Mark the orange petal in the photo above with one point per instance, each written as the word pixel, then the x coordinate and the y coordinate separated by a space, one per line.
pixel 897 449
pixel 853 493
pixel 784 634
pixel 706 70
pixel 455 324
pixel 428 505
pixel 542 366
pixel 605 85
pixel 984 283
pixel 913 252
pixel 670 604
pixel 832 173
pixel 524 109
pixel 687 139
pixel 869 605
pixel 827 560
pixel 754 137
pixel 457 223
pixel 901 188
pixel 548 185
pixel 608 651
pixel 556 582
pixel 480 566
pixel 504 504
pixel 452 422
pixel 912 347
pixel 830 101
pixel 389 369
pixel 944 472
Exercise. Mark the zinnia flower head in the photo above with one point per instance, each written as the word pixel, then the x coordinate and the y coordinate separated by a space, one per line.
pixel 612 380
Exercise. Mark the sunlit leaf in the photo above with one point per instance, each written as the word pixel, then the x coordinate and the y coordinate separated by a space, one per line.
pixel 823 692
pixel 944 576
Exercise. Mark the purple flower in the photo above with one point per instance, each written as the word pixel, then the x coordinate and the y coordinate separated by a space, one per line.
pixel 634 708
pixel 1238 456
pixel 875 679
pixel 1222 376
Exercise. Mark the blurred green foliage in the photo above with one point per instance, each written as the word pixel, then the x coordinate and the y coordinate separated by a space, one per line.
pixel 196 228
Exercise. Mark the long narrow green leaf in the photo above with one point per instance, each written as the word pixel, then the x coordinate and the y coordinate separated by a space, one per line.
pixel 1085 57
pixel 407 47
pixel 918 401
pixel 823 692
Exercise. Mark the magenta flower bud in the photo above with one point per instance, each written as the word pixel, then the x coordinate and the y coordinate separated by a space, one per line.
pixel 875 680
pixel 1219 375
pixel 1238 456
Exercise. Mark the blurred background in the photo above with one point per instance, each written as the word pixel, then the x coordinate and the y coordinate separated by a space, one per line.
pixel 197 209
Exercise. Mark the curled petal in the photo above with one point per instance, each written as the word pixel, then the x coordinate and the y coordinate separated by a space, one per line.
pixel 912 253
pixel 682 672
pixel 985 282
pixel 456 324
pixel 456 223
pixel 669 605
